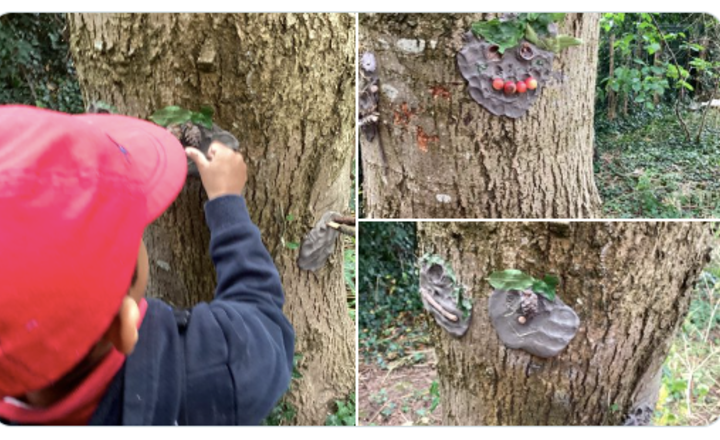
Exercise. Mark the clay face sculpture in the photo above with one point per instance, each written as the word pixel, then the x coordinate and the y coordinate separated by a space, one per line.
pixel 197 136
pixel 481 63
pixel 318 244
pixel 369 98
pixel 545 332
pixel 440 293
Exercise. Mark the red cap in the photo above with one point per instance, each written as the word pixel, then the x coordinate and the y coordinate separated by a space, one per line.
pixel 76 192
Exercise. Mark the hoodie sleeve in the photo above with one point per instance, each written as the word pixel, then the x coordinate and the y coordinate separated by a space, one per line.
pixel 239 347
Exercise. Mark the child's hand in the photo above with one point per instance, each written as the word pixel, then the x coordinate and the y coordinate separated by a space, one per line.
pixel 222 172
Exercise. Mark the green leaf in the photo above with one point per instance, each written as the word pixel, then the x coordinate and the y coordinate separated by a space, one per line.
pixel 652 48
pixel 171 115
pixel 290 217
pixel 105 106
pixel 531 35
pixel 551 280
pixel 207 111
pixel 510 279
pixel 542 288
pixel 292 245
pixel 505 34
pixel 564 41
pixel 201 119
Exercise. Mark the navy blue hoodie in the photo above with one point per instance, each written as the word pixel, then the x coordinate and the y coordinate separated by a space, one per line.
pixel 223 363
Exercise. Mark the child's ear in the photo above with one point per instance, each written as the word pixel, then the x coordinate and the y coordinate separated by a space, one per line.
pixel 123 333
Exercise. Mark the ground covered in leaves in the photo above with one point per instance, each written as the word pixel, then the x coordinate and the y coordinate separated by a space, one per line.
pixel 403 394
pixel 644 167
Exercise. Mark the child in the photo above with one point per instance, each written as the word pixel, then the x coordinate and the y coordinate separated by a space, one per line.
pixel 79 343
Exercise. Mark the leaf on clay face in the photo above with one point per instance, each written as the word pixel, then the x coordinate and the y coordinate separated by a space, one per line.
pixel 202 119
pixel 505 34
pixel 171 115
pixel 542 288
pixel 510 279
pixel 531 35
pixel 551 280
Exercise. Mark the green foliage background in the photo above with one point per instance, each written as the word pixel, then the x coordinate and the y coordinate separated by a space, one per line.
pixel 35 63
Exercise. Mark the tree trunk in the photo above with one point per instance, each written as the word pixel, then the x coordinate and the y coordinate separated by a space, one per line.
pixel 629 283
pixel 283 84
pixel 656 63
pixel 448 157
pixel 612 97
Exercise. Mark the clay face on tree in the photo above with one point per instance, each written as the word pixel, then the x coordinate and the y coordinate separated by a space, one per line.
pixel 528 315
pixel 544 332
pixel 444 296
pixel 518 70
pixel 507 61
pixel 318 244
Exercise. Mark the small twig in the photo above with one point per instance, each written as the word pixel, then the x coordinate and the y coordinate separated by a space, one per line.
pixel 350 221
pixel 377 413
pixel 677 67
pixel 438 307
pixel 347 230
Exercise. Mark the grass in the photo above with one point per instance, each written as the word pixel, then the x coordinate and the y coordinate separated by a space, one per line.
pixel 644 168
pixel 690 392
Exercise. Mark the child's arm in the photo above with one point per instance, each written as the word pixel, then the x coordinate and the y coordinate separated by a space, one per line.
pixel 240 346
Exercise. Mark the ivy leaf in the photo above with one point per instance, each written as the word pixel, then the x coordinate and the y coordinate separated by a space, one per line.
pixel 171 115
pixel 531 35
pixel 546 287
pixel 564 41
pixel 551 280
pixel 292 245
pixel 207 111
pixel 510 279
pixel 201 119
pixel 654 47
pixel 505 34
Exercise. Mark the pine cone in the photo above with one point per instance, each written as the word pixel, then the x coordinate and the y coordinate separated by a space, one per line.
pixel 528 304
pixel 191 135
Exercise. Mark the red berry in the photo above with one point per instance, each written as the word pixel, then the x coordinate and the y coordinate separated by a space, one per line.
pixel 531 83
pixel 510 87
pixel 498 83
pixel 521 87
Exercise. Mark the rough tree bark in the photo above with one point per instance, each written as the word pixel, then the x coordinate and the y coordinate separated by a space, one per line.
pixel 283 84
pixel 630 284
pixel 448 157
